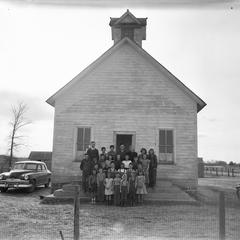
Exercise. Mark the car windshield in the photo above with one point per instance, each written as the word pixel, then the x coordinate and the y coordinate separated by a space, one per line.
pixel 28 166
pixel 19 166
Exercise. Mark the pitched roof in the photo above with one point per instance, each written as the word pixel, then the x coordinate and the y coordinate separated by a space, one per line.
pixel 128 15
pixel 38 155
pixel 200 103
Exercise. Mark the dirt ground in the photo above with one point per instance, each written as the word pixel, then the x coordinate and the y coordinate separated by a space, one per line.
pixel 23 217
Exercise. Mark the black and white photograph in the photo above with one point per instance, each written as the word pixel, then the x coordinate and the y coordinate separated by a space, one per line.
pixel 119 119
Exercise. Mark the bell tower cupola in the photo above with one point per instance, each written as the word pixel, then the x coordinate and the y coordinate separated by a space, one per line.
pixel 128 26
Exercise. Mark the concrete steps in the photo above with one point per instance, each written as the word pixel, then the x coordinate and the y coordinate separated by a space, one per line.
pixel 166 192
pixel 163 193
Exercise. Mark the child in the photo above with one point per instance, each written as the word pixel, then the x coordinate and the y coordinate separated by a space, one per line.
pixel 140 187
pixel 93 185
pixel 118 162
pixel 131 189
pixel 126 162
pixel 135 162
pixel 122 170
pixel 100 185
pixel 103 155
pixel 145 167
pixel 130 170
pixel 124 189
pixel 143 151
pixel 112 170
pixel 112 153
pixel 108 183
pixel 116 183
pixel 108 161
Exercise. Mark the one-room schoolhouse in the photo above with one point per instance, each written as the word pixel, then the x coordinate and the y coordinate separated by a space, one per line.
pixel 127 97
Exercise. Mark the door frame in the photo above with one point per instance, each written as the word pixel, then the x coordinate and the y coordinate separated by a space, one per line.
pixel 133 133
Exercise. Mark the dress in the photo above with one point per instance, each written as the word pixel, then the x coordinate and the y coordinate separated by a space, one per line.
pixel 116 184
pixel 131 190
pixel 124 188
pixel 152 170
pixel 126 163
pixel 108 186
pixel 100 187
pixel 93 184
pixel 140 185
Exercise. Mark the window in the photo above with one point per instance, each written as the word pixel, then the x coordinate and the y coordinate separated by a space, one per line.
pixel 30 166
pixel 166 147
pixel 39 168
pixel 83 138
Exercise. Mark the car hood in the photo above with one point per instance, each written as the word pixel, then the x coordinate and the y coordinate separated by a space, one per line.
pixel 16 173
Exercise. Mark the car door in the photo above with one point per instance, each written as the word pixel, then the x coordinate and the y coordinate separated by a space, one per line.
pixel 40 178
pixel 45 174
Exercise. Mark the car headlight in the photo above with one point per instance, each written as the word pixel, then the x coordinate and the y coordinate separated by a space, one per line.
pixel 26 177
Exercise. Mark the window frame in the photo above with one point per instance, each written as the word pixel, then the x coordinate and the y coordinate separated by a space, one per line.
pixel 75 136
pixel 173 146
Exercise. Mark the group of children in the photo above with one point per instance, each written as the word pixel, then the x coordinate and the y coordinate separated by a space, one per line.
pixel 119 177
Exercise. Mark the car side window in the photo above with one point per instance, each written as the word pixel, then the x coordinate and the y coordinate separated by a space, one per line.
pixel 39 168
pixel 44 168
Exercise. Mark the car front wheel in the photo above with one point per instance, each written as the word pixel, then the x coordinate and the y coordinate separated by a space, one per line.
pixel 33 187
pixel 3 189
pixel 47 184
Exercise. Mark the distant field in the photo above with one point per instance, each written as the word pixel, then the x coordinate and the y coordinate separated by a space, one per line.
pixel 221 182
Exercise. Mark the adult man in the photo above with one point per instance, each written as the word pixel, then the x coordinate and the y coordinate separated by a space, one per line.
pixel 92 152
pixel 86 168
pixel 122 152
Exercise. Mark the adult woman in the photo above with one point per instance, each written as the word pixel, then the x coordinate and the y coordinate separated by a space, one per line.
pixel 152 167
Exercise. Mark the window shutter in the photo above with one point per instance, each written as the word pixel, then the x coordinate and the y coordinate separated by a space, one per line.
pixel 87 137
pixel 80 135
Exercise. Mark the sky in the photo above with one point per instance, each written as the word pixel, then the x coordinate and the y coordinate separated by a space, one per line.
pixel 44 44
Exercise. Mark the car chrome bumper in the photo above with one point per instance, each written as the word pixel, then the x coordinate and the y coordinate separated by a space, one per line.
pixel 15 184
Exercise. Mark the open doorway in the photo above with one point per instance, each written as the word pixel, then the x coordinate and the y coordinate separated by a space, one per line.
pixel 126 138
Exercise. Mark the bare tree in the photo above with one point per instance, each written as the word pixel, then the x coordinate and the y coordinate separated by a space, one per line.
pixel 18 121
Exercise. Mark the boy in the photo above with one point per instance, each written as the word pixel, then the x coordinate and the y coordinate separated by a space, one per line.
pixel 112 152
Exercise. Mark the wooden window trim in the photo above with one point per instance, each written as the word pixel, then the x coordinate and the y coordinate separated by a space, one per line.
pixel 162 162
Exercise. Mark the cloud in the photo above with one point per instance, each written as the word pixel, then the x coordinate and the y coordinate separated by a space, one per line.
pixel 133 3
pixel 38 110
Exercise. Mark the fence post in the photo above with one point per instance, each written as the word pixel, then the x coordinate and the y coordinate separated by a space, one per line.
pixel 228 173
pixel 232 172
pixel 76 213
pixel 221 216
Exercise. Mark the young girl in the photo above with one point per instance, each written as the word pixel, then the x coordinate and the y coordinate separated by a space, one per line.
pixel 124 189
pixel 116 184
pixel 132 189
pixel 122 170
pixel 145 167
pixel 140 187
pixel 126 162
pixel 108 183
pixel 130 170
pixel 93 185
pixel 108 161
pixel 100 185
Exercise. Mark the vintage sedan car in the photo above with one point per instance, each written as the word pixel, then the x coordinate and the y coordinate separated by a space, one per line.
pixel 27 175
